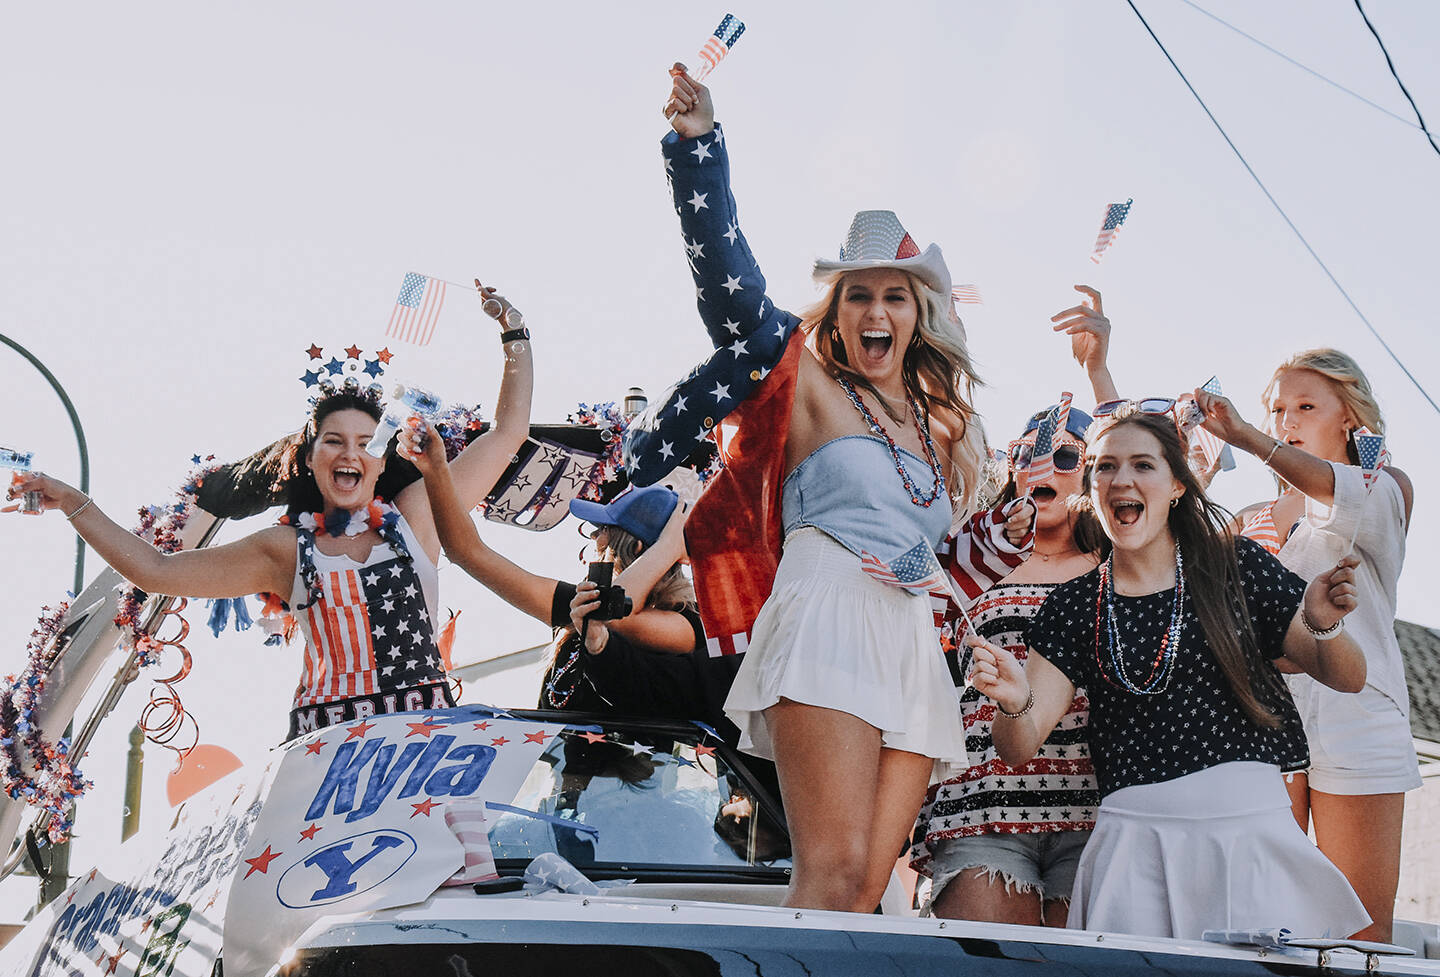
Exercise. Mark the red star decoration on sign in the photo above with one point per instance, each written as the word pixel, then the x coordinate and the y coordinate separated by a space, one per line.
pixel 499 741
pixel 384 355
pixel 309 833
pixel 423 728
pixel 314 748
pixel 539 737
pixel 594 737
pixel 261 862
pixel 113 961
pixel 315 352
pixel 359 731
pixel 93 873
pixel 482 725
pixel 702 750
pixel 425 807
pixel 353 352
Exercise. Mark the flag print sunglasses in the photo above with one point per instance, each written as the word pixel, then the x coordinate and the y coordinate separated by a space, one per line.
pixel 1067 458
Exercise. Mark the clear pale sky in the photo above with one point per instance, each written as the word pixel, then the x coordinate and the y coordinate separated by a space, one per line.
pixel 196 193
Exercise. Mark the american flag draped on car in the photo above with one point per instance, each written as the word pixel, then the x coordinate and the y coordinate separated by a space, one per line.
pixel 416 309
pixel 718 45
pixel 1115 215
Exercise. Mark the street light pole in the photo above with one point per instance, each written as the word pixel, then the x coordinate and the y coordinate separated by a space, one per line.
pixel 59 877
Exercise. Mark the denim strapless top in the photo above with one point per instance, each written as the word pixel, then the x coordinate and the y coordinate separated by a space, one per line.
pixel 849 489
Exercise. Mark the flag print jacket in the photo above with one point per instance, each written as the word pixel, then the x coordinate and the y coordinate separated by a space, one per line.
pixel 733 534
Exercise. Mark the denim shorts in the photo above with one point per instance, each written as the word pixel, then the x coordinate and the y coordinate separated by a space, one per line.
pixel 1041 861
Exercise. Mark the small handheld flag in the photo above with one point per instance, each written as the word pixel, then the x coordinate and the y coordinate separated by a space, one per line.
pixel 1373 457
pixel 718 45
pixel 1115 215
pixel 416 309
pixel 968 294
pixel 1042 456
pixel 1211 446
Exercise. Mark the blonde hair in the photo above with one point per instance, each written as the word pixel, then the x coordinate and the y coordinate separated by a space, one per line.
pixel 1346 378
pixel 937 372
pixel 672 592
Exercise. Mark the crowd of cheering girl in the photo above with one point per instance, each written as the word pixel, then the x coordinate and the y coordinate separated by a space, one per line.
pixel 1113 745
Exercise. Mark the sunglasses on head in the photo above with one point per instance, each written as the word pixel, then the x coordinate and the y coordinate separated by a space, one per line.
pixel 1068 457
pixel 1187 416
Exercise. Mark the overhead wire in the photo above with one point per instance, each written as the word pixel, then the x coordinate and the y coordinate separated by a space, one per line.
pixel 1394 74
pixel 1281 211
pixel 1303 67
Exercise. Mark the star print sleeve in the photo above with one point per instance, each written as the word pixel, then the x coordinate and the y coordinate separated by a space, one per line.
pixel 748 332
pixel 1272 595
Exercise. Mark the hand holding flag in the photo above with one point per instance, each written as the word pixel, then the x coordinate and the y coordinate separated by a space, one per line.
pixel 684 99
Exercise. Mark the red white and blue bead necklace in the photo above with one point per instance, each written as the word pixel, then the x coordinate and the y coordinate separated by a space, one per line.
pixel 924 501
pixel 1162 667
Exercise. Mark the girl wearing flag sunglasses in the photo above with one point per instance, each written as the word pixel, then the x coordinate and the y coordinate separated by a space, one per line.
pixel 1172 636
pixel 1002 844
pixel 1361 752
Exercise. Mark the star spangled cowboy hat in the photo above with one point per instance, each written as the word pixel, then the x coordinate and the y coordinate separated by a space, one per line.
pixel 877 239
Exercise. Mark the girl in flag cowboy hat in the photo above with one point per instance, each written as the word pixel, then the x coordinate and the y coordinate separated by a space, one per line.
pixel 1173 636
pixel 1332 502
pixel 854 438
pixel 358 574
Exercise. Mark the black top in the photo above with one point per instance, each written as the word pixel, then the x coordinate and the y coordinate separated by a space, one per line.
pixel 1196 722
pixel 628 680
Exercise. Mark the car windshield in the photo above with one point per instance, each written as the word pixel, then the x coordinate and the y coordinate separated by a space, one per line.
pixel 618 798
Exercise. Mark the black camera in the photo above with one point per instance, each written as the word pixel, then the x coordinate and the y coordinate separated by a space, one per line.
pixel 614 602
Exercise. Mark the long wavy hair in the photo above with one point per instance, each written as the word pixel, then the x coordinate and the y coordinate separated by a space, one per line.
pixel 937 371
pixel 1212 575
pixel 1346 378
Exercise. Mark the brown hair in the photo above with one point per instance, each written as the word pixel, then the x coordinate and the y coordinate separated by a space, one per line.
pixel 1212 574
pixel 937 371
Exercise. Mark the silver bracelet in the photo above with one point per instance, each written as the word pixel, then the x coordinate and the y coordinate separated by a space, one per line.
pixel 1333 631
pixel 81 508
pixel 1029 704
pixel 1273 448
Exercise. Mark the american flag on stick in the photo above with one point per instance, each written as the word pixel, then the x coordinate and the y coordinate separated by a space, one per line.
pixel 1115 215
pixel 1042 456
pixel 1211 446
pixel 718 45
pixel 1373 455
pixel 968 294
pixel 417 308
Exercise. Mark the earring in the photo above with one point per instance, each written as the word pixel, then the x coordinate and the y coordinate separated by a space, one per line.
pixel 1174 502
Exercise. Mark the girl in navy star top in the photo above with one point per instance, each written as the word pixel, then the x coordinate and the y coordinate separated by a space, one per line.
pixel 1174 636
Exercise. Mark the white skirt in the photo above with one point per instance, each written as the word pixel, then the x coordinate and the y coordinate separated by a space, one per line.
pixel 829 635
pixel 1216 849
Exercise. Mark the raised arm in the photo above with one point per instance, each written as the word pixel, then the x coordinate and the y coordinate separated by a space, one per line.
pixel 474 473
pixel 518 587
pixel 1310 475
pixel 263 561
pixel 1089 332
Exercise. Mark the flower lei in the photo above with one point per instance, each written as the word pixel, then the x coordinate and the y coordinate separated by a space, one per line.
pixel 56 784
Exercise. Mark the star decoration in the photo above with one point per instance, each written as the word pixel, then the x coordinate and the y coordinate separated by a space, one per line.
pixel 701 152
pixel 309 833
pixel 113 961
pixel 261 862
pixel 666 450
pixel 334 366
pixel 314 748
pixel 679 405
pixel 499 741
pixel 384 355
pixel 353 351
pixel 732 284
pixel 734 327
pixel 738 347
pixel 424 807
pixel 482 726
pixel 594 737
pixel 697 200
pixel 315 352
pixel 639 748
pixel 732 232
pixel 373 368
pixel 537 737
pixel 721 391
pixel 358 731
pixel 310 378
pixel 703 750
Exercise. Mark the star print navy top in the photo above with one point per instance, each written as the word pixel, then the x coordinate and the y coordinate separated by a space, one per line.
pixel 372 630
pixel 1195 723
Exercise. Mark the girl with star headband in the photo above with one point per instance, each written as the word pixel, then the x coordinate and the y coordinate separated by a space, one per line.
pixel 357 570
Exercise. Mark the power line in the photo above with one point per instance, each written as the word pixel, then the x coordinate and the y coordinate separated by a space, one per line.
pixel 1281 210
pixel 1306 68
pixel 1396 76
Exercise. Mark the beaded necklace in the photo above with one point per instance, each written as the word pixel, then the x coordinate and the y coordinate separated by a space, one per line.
pixel 1162 667
pixel 920 426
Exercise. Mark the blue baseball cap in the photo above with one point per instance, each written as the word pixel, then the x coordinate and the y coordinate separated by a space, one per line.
pixel 641 512
pixel 1078 423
